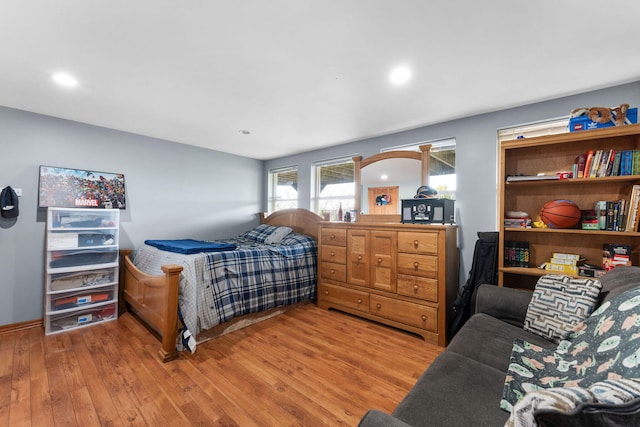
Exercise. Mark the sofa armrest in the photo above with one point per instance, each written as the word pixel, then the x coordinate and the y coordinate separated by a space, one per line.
pixel 375 418
pixel 507 304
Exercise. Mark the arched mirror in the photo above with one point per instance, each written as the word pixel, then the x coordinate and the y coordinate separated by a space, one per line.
pixel 382 180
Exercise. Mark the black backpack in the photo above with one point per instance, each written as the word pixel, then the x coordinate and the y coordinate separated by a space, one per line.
pixel 484 269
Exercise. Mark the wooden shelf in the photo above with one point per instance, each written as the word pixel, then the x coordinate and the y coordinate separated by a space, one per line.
pixel 549 154
pixel 572 231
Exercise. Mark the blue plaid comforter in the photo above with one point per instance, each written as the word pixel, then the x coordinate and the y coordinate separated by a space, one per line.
pixel 216 287
pixel 257 277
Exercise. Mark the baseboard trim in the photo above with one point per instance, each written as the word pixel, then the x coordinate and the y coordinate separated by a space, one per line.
pixel 15 327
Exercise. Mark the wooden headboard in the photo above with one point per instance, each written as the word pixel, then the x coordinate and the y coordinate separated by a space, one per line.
pixel 301 220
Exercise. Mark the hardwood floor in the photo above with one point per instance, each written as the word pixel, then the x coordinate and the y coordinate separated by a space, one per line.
pixel 306 367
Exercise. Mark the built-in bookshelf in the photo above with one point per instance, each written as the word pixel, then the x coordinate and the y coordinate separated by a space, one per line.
pixel 546 156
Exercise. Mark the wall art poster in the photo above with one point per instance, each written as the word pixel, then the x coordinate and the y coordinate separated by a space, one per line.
pixel 77 188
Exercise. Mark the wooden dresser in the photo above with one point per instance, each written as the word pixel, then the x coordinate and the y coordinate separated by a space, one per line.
pixel 402 275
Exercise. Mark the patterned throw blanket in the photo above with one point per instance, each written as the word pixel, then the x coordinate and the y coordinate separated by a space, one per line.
pixel 603 348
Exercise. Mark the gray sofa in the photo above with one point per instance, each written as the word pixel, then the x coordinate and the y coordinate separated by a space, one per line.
pixel 463 386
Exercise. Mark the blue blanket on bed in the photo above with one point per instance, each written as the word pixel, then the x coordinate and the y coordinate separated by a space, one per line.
pixel 190 246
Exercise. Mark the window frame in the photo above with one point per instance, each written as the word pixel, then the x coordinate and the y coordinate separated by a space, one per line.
pixel 347 200
pixel 272 193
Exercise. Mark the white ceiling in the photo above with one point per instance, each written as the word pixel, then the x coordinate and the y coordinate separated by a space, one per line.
pixel 301 74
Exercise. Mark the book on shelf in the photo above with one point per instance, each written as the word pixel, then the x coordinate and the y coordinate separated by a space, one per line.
pixel 626 162
pixel 516 254
pixel 608 169
pixel 595 164
pixel 632 210
pixel 615 170
pixel 580 162
pixel 517 222
pixel 618 215
pixel 564 263
pixel 587 164
pixel 601 211
pixel 562 255
pixel 635 162
pixel 603 163
pixel 559 268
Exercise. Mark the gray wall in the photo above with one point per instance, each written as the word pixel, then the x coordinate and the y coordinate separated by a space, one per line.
pixel 476 156
pixel 178 191
pixel 173 191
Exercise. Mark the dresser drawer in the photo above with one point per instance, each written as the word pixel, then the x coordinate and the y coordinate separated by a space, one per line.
pixel 416 315
pixel 337 254
pixel 344 297
pixel 418 287
pixel 333 271
pixel 333 236
pixel 418 265
pixel 419 243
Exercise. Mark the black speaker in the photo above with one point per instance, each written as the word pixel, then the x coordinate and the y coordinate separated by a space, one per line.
pixel 428 211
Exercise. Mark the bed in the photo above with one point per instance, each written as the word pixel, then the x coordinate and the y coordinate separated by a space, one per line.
pixel 241 282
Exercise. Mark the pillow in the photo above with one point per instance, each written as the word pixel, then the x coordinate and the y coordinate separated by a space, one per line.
pixel 559 303
pixel 262 232
pixel 278 234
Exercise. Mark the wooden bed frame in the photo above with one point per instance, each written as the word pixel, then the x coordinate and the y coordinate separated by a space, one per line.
pixel 154 299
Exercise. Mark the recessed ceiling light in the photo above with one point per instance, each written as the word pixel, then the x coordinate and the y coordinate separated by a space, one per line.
pixel 400 75
pixel 65 79
pixel 384 177
pixel 244 131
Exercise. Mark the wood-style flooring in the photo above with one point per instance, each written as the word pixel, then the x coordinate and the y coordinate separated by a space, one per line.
pixel 306 367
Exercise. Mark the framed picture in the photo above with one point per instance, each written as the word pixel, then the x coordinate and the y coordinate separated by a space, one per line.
pixel 77 188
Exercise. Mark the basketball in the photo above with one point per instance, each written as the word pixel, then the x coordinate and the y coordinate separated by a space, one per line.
pixel 560 214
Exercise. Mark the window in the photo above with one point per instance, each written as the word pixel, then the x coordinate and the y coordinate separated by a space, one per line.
pixel 442 171
pixel 334 187
pixel 529 130
pixel 283 188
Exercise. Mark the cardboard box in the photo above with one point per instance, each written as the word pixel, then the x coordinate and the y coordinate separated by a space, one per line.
pixel 583 123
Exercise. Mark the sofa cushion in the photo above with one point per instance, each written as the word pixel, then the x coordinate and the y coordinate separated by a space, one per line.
pixel 490 341
pixel 619 280
pixel 605 346
pixel 454 391
pixel 559 303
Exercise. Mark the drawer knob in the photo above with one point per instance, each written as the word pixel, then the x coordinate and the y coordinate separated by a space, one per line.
pixel 424 318
pixel 359 301
pixel 326 292
pixel 416 243
pixel 333 253
pixel 416 287
pixel 359 257
pixel 379 260
pixel 333 271
pixel 416 265
pixel 332 237
pixel 378 306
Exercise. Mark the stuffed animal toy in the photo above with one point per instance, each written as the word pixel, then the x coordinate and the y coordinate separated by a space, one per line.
pixel 617 115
